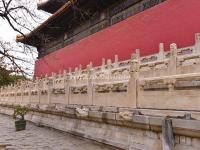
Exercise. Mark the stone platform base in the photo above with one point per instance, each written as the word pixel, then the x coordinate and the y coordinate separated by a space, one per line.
pixel 143 132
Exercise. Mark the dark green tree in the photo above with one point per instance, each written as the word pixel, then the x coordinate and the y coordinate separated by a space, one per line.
pixel 6 77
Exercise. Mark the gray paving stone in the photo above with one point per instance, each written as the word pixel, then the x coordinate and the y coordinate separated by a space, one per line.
pixel 36 138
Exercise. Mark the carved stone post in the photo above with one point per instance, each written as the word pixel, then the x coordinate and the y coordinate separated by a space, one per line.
pixel 161 55
pixel 197 43
pixel 13 92
pixel 37 86
pixel 109 67
pixel 109 64
pixel 90 83
pixel 70 70
pixel 116 64
pixel 7 93
pixel 172 67
pixel 67 78
pixel 21 91
pixel 134 75
pixel 80 69
pixel 103 64
pixel 29 91
pixel 76 71
pixel 16 88
pixel 137 52
pixel 49 86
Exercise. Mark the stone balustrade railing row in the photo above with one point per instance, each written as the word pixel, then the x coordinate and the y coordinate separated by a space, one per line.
pixel 167 80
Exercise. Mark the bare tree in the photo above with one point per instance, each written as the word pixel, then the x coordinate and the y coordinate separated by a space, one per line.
pixel 13 59
pixel 21 16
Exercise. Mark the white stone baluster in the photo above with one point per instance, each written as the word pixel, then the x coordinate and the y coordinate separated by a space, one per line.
pixel 134 75
pixel 109 67
pixel 197 43
pixel 172 67
pixel 90 82
pixel 103 64
pixel 161 54
pixel 49 86
pixel 66 78
pixel 70 70
pixel 116 64
pixel 80 69
pixel 60 74
pixel 76 70
pixel 137 52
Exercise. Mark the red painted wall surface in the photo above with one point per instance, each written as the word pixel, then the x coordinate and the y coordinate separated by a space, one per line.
pixel 172 21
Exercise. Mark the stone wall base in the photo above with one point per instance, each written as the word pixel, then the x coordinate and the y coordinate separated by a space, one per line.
pixel 119 136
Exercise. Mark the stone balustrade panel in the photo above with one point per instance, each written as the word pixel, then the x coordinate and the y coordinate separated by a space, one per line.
pixel 111 94
pixel 45 85
pixel 18 94
pixel 35 91
pixel 58 93
pixel 26 92
pixel 179 92
pixel 119 83
pixel 79 88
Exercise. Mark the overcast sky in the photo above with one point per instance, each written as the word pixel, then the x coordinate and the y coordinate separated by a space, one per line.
pixel 6 32
pixel 9 35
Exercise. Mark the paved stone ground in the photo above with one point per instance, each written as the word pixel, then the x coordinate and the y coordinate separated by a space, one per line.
pixel 36 138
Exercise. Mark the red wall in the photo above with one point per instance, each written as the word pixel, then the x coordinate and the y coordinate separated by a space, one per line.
pixel 172 21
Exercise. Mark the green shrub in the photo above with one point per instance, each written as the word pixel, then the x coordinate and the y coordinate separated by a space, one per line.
pixel 20 112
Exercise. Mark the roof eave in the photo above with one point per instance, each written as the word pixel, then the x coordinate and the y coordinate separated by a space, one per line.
pixel 64 8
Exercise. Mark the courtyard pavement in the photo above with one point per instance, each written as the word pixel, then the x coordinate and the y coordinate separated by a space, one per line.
pixel 37 138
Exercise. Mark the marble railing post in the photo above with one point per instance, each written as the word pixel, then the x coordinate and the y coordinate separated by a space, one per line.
pixel 137 52
pixel 15 92
pixel 134 75
pixel 80 69
pixel 49 86
pixel 116 64
pixel 109 67
pixel 90 83
pixel 197 43
pixel 37 88
pixel 161 54
pixel 66 78
pixel 172 66
pixel 21 91
pixel 103 64
pixel 23 88
pixel 8 92
pixel 76 71
pixel 29 90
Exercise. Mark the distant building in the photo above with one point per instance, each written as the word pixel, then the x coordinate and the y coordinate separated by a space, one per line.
pixel 81 31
